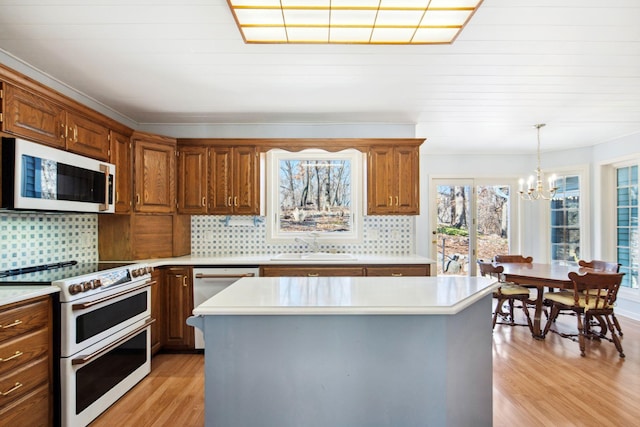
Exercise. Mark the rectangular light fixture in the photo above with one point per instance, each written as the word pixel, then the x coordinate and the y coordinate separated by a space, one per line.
pixel 352 21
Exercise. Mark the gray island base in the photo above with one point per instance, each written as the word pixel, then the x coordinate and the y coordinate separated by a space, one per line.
pixel 354 363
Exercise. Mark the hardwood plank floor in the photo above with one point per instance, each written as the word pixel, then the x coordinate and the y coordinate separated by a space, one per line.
pixel 535 383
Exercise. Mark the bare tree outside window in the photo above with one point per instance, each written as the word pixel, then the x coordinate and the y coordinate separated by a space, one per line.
pixel 315 195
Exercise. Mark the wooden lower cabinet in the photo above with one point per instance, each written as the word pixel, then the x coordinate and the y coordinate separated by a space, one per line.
pixel 26 372
pixel 311 271
pixel 157 311
pixel 344 270
pixel 399 270
pixel 179 305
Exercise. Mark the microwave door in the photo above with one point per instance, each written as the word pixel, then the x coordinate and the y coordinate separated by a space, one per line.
pixel 56 180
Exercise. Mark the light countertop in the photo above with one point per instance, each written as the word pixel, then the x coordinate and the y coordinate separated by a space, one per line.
pixel 347 295
pixel 268 259
pixel 10 293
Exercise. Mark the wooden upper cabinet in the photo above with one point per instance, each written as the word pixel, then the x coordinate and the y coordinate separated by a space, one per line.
pixel 35 117
pixel 393 180
pixel 121 156
pixel 154 173
pixel 87 137
pixel 192 180
pixel 234 187
pixel 31 116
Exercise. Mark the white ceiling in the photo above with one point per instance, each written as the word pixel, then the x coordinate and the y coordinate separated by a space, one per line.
pixel 573 64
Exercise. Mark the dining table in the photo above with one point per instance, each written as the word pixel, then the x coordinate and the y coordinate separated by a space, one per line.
pixel 553 276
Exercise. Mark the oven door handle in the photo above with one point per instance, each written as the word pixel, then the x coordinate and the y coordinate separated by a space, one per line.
pixel 88 358
pixel 105 169
pixel 224 276
pixel 86 305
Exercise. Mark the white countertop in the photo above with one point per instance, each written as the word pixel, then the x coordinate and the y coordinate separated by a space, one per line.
pixel 347 295
pixel 10 293
pixel 267 259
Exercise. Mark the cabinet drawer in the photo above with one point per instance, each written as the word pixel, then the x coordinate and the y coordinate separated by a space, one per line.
pixel 400 270
pixel 21 381
pixel 22 349
pixel 33 410
pixel 311 271
pixel 23 318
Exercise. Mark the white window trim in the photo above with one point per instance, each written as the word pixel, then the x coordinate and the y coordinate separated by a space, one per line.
pixel 357 192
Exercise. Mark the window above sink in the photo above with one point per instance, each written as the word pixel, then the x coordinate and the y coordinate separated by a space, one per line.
pixel 315 192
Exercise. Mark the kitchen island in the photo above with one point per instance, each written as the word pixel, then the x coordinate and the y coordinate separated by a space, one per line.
pixel 348 351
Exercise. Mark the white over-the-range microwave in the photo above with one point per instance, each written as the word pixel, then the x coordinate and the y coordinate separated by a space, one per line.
pixel 38 177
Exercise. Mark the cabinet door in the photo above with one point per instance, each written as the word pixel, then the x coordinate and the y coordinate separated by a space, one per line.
pixel 192 180
pixel 399 270
pixel 407 182
pixel 311 271
pixel 121 157
pixel 220 181
pixel 178 307
pixel 246 200
pixel 157 308
pixel 87 137
pixel 380 181
pixel 33 117
pixel 154 177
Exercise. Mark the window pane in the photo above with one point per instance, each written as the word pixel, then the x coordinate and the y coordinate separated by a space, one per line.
pixel 627 224
pixel 565 220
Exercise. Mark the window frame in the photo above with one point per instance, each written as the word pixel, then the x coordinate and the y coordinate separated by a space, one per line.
pixel 273 158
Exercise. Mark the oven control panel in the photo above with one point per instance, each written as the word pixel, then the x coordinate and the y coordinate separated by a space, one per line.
pixel 100 281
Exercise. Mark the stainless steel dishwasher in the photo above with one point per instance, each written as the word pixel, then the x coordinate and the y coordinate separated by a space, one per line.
pixel 208 281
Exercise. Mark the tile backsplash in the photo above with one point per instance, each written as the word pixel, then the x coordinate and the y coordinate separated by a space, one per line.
pixel 28 239
pixel 210 236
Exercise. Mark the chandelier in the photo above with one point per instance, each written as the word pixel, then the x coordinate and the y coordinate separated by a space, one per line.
pixel 535 190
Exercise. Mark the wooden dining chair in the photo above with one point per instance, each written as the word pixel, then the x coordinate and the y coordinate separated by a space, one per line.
pixel 594 295
pixel 608 267
pixel 513 258
pixel 507 293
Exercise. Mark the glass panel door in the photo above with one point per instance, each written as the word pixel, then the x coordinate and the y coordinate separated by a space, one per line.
pixel 473 222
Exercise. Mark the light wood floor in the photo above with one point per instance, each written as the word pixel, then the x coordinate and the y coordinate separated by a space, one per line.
pixel 535 383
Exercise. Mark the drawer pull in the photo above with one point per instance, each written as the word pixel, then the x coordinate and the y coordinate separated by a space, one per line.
pixel 396 274
pixel 11 325
pixel 17 354
pixel 313 274
pixel 11 390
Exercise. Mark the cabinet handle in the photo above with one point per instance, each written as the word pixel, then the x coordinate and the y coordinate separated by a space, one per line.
pixel 11 325
pixel 63 134
pixel 397 201
pixel 184 281
pixel 390 201
pixel 204 201
pixel 15 356
pixel 14 388
pixel 396 274
pixel 229 202
pixel 137 199
pixel 313 274
pixel 75 133
pixel 235 201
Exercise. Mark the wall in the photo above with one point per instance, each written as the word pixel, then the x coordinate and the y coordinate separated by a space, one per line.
pixel 28 239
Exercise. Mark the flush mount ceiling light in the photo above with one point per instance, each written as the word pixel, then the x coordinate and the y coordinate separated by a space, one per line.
pixel 352 21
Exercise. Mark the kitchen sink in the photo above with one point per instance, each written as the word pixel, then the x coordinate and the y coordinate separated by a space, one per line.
pixel 314 256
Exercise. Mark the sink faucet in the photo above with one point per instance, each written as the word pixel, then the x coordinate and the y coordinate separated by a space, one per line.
pixel 313 244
